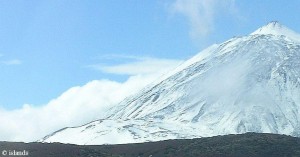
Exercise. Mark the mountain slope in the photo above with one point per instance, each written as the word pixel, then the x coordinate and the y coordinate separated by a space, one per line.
pixel 246 84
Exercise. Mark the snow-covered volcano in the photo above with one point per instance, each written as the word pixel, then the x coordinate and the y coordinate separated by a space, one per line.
pixel 246 84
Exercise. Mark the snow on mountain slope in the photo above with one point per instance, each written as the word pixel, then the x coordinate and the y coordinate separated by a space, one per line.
pixel 121 131
pixel 246 84
pixel 275 28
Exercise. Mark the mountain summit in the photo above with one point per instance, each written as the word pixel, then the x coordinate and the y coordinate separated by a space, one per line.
pixel 246 84
pixel 275 28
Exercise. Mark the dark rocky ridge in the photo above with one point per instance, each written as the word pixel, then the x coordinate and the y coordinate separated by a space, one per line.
pixel 243 145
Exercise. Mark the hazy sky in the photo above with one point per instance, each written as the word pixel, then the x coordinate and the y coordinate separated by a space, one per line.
pixel 51 51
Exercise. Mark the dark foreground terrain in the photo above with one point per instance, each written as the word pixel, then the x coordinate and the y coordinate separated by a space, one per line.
pixel 245 145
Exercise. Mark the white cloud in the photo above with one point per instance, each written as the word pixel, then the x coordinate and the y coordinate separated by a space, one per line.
pixel 142 65
pixel 201 13
pixel 12 62
pixel 77 105
pixel 120 56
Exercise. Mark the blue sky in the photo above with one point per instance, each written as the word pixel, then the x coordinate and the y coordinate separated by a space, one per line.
pixel 50 46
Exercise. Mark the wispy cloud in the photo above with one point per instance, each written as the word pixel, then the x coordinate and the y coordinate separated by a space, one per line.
pixel 12 62
pixel 5 61
pixel 139 66
pixel 120 56
pixel 201 13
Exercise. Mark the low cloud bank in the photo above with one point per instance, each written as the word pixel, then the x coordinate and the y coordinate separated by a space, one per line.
pixel 78 105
